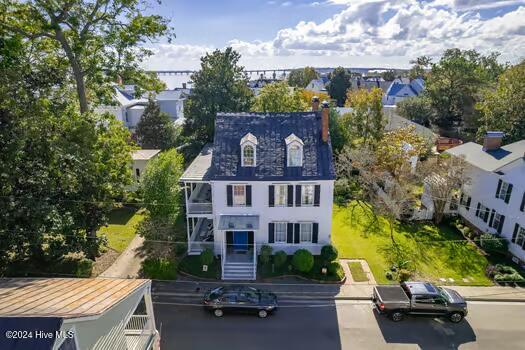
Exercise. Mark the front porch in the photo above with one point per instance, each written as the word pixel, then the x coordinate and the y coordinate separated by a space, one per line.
pixel 200 234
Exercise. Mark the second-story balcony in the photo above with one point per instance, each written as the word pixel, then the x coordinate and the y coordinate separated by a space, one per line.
pixel 198 198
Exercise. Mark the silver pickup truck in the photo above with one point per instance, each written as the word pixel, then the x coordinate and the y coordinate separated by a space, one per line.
pixel 419 298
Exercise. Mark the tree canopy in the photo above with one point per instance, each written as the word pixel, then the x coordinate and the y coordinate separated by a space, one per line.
pixel 98 40
pixel 417 109
pixel 279 97
pixel 503 108
pixel 339 84
pixel 221 85
pixel 155 129
pixel 302 77
pixel 366 120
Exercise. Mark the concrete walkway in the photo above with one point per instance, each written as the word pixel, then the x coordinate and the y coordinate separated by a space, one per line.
pixel 129 263
pixel 508 294
pixel 348 273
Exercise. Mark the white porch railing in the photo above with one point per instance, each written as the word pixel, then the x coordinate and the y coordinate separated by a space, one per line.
pixel 254 259
pixel 199 208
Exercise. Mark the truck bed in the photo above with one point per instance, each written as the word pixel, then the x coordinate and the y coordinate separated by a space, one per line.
pixel 391 294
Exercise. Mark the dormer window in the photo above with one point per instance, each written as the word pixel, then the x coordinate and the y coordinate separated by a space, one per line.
pixel 248 150
pixel 294 146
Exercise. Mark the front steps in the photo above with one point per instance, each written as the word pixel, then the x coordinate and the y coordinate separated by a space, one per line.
pixel 238 271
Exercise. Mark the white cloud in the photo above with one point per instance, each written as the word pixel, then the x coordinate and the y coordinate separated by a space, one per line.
pixel 286 4
pixel 367 33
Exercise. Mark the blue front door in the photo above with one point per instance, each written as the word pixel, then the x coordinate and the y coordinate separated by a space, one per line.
pixel 240 240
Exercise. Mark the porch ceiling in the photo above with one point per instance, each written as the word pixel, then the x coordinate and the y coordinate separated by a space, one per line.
pixel 238 222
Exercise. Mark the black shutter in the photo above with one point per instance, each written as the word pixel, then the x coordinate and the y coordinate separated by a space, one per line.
pixel 499 187
pixel 229 195
pixel 317 195
pixel 515 233
pixel 271 232
pixel 290 196
pixel 468 203
pixel 492 217
pixel 501 221
pixel 229 238
pixel 315 232
pixel 509 191
pixel 271 195
pixel 522 206
pixel 297 233
pixel 477 209
pixel 250 238
pixel 297 195
pixel 248 195
pixel 289 233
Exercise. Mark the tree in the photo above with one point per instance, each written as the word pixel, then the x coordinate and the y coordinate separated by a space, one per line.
pixel 420 67
pixel 442 177
pixel 396 149
pixel 388 75
pixel 302 77
pixel 503 108
pixel 100 40
pixel 337 134
pixel 339 84
pixel 221 85
pixel 155 129
pixel 417 109
pixel 279 97
pixel 366 120
pixel 454 85
pixel 307 95
pixel 162 193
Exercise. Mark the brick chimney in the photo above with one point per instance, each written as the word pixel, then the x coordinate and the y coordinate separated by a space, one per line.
pixel 492 140
pixel 325 117
pixel 315 104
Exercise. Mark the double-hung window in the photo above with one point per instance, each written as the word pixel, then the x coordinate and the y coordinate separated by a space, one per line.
pixel 307 194
pixel 482 212
pixel 497 220
pixel 520 238
pixel 280 232
pixel 306 232
pixel 504 190
pixel 239 195
pixel 281 195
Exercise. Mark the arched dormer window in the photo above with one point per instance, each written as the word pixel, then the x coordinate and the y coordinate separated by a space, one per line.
pixel 294 148
pixel 248 150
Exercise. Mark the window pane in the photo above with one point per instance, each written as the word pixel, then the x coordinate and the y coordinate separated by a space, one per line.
pixel 248 156
pixel 295 156
pixel 238 195
pixel 280 232
pixel 281 194
pixel 306 232
pixel 308 195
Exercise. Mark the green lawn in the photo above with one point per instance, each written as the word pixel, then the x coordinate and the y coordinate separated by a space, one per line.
pixel 121 228
pixel 355 235
pixel 356 269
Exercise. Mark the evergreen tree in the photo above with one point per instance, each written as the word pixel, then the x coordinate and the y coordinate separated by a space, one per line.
pixel 155 129
pixel 339 84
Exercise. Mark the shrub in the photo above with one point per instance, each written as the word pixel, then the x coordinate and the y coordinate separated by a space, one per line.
pixel 328 253
pixel 493 244
pixel 206 256
pixel 159 268
pixel 332 268
pixel 509 278
pixel 279 259
pixel 467 230
pixel 404 275
pixel 180 249
pixel 72 265
pixel 266 253
pixel 389 276
pixel 303 260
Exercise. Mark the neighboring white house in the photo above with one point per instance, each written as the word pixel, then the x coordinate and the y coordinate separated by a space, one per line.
pixel 401 89
pixel 268 179
pixel 141 158
pixel 494 199
pixel 318 85
pixel 77 314
pixel 129 109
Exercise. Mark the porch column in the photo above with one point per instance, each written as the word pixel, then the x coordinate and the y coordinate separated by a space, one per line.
pixel 188 233
pixel 149 310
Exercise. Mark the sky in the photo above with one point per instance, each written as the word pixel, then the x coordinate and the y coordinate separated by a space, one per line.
pixel 327 33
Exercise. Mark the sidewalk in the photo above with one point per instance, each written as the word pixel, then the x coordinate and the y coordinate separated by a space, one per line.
pixel 506 294
pixel 129 263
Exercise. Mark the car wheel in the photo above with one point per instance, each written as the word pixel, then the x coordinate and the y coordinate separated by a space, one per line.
pixel 455 317
pixel 262 313
pixel 397 316
pixel 218 312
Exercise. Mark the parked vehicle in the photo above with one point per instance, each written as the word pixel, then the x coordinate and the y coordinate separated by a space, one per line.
pixel 240 299
pixel 419 298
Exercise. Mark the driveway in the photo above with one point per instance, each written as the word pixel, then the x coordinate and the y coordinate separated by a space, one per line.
pixel 129 263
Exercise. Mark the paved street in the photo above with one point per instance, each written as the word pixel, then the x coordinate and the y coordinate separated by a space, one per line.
pixel 314 321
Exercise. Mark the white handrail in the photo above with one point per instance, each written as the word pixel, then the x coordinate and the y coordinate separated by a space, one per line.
pixel 254 259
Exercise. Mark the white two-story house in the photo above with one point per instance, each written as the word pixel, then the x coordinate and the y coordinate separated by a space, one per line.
pixel 494 199
pixel 267 179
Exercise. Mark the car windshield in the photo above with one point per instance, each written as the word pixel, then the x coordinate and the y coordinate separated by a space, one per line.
pixel 217 292
pixel 444 294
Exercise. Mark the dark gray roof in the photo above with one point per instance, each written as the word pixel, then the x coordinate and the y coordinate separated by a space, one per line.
pixel 271 130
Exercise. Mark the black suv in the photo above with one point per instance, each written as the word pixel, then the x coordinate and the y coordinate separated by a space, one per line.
pixel 240 299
